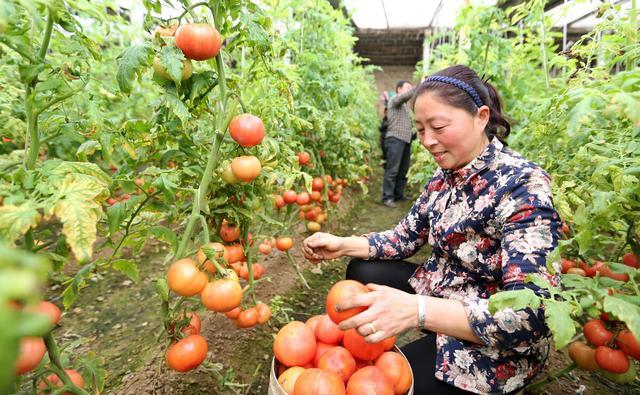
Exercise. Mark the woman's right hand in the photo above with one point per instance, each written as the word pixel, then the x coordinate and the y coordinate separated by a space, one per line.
pixel 320 246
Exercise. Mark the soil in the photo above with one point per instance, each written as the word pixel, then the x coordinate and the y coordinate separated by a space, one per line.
pixel 119 320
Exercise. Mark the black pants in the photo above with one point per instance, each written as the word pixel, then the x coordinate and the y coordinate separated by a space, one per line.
pixel 398 156
pixel 420 353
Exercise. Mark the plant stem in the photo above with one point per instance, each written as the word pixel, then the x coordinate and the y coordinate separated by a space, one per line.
pixel 295 266
pixel 54 356
pixel 249 255
pixel 541 383
pixel 32 142
pixel 47 34
pixel 543 48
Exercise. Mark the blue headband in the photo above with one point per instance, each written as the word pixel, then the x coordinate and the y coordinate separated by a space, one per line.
pixel 460 85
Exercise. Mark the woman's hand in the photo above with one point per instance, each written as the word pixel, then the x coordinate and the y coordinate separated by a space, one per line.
pixel 390 312
pixel 321 246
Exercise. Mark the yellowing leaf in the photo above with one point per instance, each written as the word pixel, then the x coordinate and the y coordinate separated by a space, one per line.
pixel 79 218
pixel 17 220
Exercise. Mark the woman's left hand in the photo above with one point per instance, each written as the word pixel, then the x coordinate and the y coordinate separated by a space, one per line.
pixel 390 312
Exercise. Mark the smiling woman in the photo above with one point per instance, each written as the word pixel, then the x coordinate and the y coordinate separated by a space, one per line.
pixel 488 216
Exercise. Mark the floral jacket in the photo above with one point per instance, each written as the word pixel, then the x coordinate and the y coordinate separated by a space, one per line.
pixel 490 224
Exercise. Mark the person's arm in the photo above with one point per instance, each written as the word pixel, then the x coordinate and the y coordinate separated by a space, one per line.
pixel 399 100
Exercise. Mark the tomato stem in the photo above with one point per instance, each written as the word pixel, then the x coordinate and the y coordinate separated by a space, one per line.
pixel 56 365
pixel 541 383
pixel 297 268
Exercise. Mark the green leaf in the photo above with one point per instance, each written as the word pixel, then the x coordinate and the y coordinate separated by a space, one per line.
pixel 132 63
pixel 516 300
pixel 164 233
pixel 171 58
pixel 61 169
pixel 128 268
pixel 88 148
pixel 558 318
pixel 177 107
pixel 17 220
pixel 624 311
pixel 162 288
pixel 115 215
pixel 91 368
pixel 70 294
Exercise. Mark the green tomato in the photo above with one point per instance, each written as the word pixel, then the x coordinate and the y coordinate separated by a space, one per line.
pixel 622 378
pixel 161 71
pixel 593 312
pixel 228 176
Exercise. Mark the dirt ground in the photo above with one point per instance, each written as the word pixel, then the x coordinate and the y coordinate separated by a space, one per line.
pixel 120 320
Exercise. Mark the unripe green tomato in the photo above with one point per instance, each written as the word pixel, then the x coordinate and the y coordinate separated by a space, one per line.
pixel 161 71
pixel 622 378
pixel 228 176
pixel 593 312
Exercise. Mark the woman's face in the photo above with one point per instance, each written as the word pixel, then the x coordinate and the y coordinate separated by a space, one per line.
pixel 452 135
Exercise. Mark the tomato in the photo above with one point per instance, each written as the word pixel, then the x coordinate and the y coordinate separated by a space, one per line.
pixel 162 31
pixel 54 380
pixel 162 72
pixel 327 331
pixel 49 309
pixel 221 253
pixel 317 184
pixel 397 370
pixel 198 41
pixel 264 312
pixel 388 343
pixel 623 378
pixel 564 229
pixel 234 313
pixel 236 253
pixel 229 233
pixel 339 361
pixel 194 326
pixel 247 130
pixel 318 382
pixel 295 344
pixel 111 201
pixel 228 176
pixel 577 270
pixel 596 332
pixel 31 351
pixel 312 322
pixel 340 291
pixel 359 347
pixel 321 348
pixel 289 197
pixel 567 264
pixel 187 354
pixel 629 344
pixel 313 226
pixel 258 270
pixel 606 271
pixel 264 249
pixel 369 380
pixel 303 198
pixel 222 295
pixel 335 198
pixel 584 356
pixel 185 278
pixel 612 360
pixel 247 318
pixel 246 168
pixel 284 243
pixel 631 260
pixel 303 158
pixel 288 378
pixel 279 202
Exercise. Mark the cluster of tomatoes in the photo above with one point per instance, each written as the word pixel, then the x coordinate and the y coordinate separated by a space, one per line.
pixel 581 268
pixel 316 357
pixel 33 349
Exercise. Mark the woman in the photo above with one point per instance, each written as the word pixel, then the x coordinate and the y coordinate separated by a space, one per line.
pixel 488 216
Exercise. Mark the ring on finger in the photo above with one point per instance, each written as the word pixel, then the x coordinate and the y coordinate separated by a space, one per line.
pixel 373 328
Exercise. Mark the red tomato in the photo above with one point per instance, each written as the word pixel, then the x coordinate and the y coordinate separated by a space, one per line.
pixel 303 158
pixel 295 344
pixel 567 264
pixel 289 197
pixel 327 331
pixel 629 344
pixel 612 360
pixel 316 196
pixel 320 350
pixel 31 351
pixel 359 348
pixel 388 343
pixel 222 295
pixel 247 318
pixel 397 370
pixel 584 356
pixel 247 130
pixel 341 291
pixel 630 259
pixel 317 184
pixel 264 312
pixel 187 354
pixel 339 361
pixel 279 202
pixel 284 243
pixel 54 380
pixel 318 382
pixel 288 378
pixel 312 322
pixel 303 198
pixel 246 167
pixel 49 309
pixel 596 332
pixel 194 326
pixel 236 253
pixel 198 41
pixel 229 233
pixel 369 380
pixel 234 313
pixel 264 249
pixel 185 278
pixel 221 253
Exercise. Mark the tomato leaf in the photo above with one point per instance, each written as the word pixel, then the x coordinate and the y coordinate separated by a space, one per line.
pixel 558 318
pixel 70 294
pixel 166 234
pixel 17 220
pixel 132 63
pixel 624 311
pixel 516 300
pixel 88 148
pixel 171 58
pixel 128 268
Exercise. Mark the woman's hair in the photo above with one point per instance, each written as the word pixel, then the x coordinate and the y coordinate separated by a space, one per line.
pixel 455 96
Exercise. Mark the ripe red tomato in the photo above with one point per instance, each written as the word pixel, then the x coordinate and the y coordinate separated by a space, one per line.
pixel 289 197
pixel 312 322
pixel 187 354
pixel 288 378
pixel 321 348
pixel 316 196
pixel 388 343
pixel 629 344
pixel 340 291
pixel 234 313
pixel 339 361
pixel 397 370
pixel 264 249
pixel 49 309
pixel 258 270
pixel 327 331
pixel 584 356
pixel 222 295
pixel 318 382
pixel 54 380
pixel 295 344
pixel 247 318
pixel 246 167
pixel 247 130
pixel 185 278
pixel 596 332
pixel 279 202
pixel 630 259
pixel 317 184
pixel 229 233
pixel 303 158
pixel 31 351
pixel 359 348
pixel 612 360
pixel 194 326
pixel 198 41
pixel 567 264
pixel 264 312
pixel 303 198
pixel 284 243
pixel 236 253
pixel 369 380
